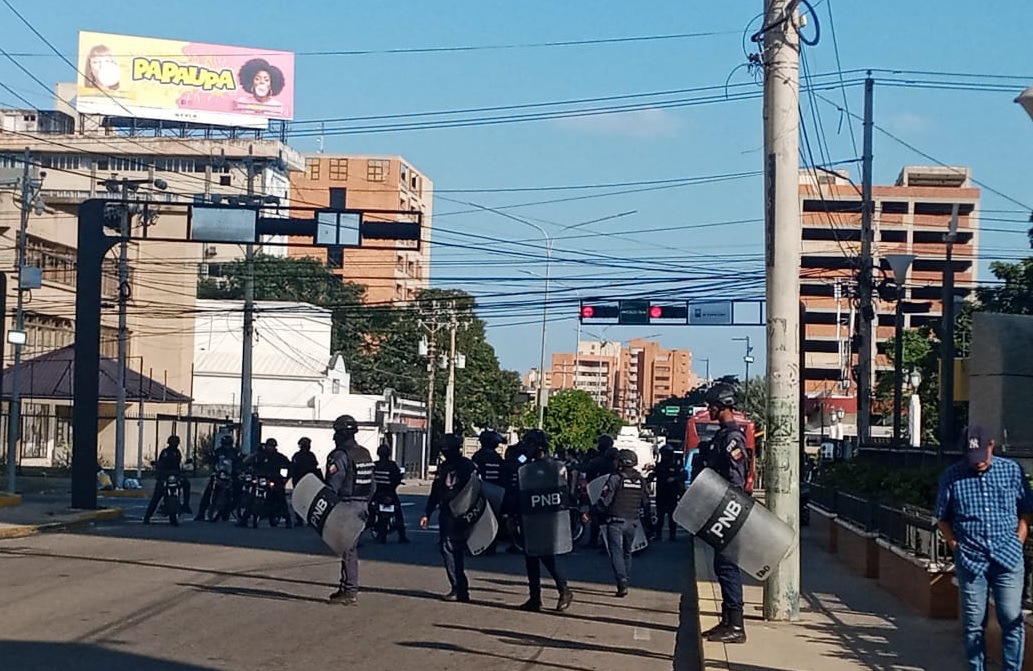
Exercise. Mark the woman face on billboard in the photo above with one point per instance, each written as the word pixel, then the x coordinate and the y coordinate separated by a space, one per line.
pixel 102 71
pixel 261 79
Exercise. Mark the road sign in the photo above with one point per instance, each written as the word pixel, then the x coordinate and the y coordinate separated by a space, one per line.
pixel 717 313
pixel 634 313
pixel 670 410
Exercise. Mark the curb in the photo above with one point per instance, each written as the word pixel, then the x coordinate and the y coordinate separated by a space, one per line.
pixel 124 494
pixel 73 521
pixel 8 500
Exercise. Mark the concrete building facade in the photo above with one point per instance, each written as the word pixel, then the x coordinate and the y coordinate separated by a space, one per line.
pixel 372 183
pixel 910 217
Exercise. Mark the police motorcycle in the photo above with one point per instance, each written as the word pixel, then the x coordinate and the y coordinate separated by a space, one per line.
pixel 268 499
pixel 247 484
pixel 382 513
pixel 225 492
pixel 171 503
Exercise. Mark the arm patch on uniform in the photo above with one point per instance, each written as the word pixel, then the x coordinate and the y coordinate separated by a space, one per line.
pixel 735 451
pixel 332 469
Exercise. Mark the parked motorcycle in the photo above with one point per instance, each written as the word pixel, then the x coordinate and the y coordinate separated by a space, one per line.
pixel 224 492
pixel 170 500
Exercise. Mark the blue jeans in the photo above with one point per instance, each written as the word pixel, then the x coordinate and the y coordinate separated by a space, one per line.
pixel 620 536
pixel 1006 586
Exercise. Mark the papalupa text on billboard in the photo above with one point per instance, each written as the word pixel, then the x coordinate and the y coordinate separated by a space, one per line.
pixel 171 72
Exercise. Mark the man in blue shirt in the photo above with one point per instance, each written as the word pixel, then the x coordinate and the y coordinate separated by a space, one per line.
pixel 983 507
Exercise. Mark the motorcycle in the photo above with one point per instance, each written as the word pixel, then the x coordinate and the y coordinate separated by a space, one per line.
pixel 269 500
pixel 382 516
pixel 246 484
pixel 223 492
pixel 170 500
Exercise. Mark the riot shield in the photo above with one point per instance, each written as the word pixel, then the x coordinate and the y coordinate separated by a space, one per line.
pixel 338 523
pixel 471 509
pixel 735 525
pixel 545 518
pixel 495 496
pixel 595 490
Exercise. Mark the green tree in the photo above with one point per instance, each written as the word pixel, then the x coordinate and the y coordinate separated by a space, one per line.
pixel 921 352
pixel 574 419
pixel 753 400
pixel 1015 294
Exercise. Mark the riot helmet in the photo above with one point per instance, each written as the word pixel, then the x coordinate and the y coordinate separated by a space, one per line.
pixel 305 443
pixel 271 444
pixel 451 447
pixel 226 441
pixel 537 443
pixel 627 458
pixel 605 442
pixel 384 451
pixel 491 438
pixel 173 441
pixel 721 395
pixel 345 428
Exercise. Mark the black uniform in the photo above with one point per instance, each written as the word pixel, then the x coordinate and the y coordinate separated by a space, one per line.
pixel 603 464
pixel 670 485
pixel 533 565
pixel 271 467
pixel 729 458
pixel 221 455
pixel 453 475
pixel 515 458
pixel 623 499
pixel 490 466
pixel 302 463
pixel 386 478
pixel 170 462
pixel 349 472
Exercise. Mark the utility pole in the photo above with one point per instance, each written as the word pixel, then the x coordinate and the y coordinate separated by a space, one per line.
pixel 29 195
pixel 432 327
pixel 782 260
pixel 247 353
pixel 947 345
pixel 864 280
pixel 450 390
pixel 123 296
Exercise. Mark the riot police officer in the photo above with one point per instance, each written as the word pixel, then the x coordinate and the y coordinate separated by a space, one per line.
pixel 490 466
pixel 453 475
pixel 620 505
pixel 728 456
pixel 304 462
pixel 387 476
pixel 515 458
pixel 170 462
pixel 604 463
pixel 225 453
pixel 536 442
pixel 669 476
pixel 349 472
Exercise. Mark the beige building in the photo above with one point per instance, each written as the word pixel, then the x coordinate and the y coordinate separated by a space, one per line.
pixel 629 378
pixel 910 217
pixel 73 164
pixel 391 274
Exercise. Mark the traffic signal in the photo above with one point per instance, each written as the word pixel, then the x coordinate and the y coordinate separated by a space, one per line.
pixel 599 311
pixel 668 312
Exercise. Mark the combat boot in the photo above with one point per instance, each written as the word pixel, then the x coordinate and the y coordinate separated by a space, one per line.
pixel 719 627
pixel 734 632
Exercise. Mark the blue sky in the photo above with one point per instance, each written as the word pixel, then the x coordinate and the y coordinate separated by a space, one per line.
pixel 982 129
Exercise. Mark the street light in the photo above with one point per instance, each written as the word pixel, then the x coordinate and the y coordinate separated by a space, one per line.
pixel 748 358
pixel 914 409
pixel 577 342
pixel 899 264
pixel 1025 99
pixel 707 378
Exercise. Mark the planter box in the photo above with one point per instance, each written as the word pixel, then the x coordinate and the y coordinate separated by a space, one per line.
pixel 929 590
pixel 993 640
pixel 857 549
pixel 823 528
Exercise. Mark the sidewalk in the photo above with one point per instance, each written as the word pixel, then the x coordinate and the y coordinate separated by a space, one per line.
pixel 847 623
pixel 36 513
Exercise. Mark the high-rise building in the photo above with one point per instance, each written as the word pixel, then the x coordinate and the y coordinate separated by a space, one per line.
pixel 372 183
pixel 909 217
pixel 629 378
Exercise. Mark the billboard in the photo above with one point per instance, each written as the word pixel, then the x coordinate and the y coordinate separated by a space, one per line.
pixel 150 78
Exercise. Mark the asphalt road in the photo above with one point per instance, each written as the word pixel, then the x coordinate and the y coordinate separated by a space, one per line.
pixel 212 596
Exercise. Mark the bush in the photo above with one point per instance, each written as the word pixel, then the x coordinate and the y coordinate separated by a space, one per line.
pixel 913 486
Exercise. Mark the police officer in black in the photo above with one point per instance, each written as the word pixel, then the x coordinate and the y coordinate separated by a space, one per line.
pixel 453 474
pixel 604 463
pixel 349 472
pixel 386 477
pixel 536 444
pixel 304 462
pixel 516 457
pixel 272 465
pixel 170 462
pixel 225 453
pixel 620 505
pixel 490 466
pixel 669 476
pixel 729 458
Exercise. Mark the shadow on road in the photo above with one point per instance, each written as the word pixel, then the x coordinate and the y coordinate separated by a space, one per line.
pixel 531 662
pixel 47 656
pixel 509 637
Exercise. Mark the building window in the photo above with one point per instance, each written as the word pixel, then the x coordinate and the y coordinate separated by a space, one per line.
pixel 335 387
pixel 58 264
pixel 45 333
pixel 312 168
pixel 403 176
pixel 377 169
pixel 338 169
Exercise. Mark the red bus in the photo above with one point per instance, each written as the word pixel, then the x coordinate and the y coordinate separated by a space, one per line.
pixel 700 429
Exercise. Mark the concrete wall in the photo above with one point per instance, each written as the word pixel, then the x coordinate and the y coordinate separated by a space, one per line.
pixel 1001 376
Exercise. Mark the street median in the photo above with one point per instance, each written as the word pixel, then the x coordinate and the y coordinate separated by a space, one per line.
pixel 71 520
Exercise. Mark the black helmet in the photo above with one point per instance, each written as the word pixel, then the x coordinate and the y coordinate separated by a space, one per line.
pixel 536 439
pixel 721 395
pixel 173 441
pixel 451 446
pixel 610 454
pixel 271 443
pixel 384 451
pixel 666 448
pixel 226 440
pixel 604 442
pixel 305 442
pixel 491 438
pixel 628 458
pixel 346 424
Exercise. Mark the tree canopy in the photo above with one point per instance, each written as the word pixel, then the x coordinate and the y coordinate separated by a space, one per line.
pixel 574 420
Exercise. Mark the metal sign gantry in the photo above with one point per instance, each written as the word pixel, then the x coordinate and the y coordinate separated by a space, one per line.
pixel 662 312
